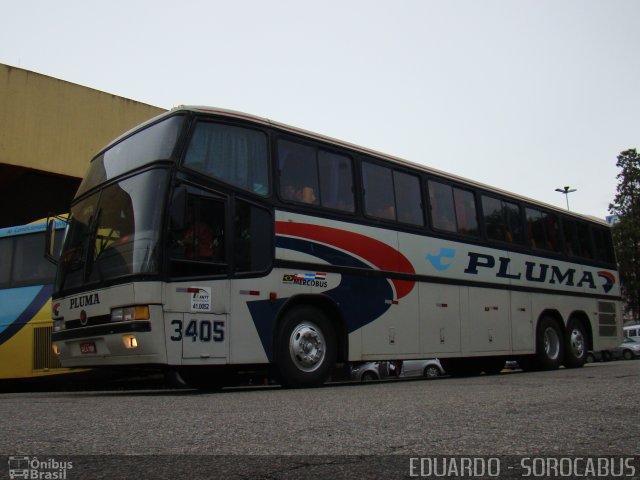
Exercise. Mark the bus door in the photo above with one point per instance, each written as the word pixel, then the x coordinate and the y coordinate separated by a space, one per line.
pixel 252 308
pixel 197 299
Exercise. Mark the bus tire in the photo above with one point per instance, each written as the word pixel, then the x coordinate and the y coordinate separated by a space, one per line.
pixel 576 348
pixel 549 347
pixel 306 348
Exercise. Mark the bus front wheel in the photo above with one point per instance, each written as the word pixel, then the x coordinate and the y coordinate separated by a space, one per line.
pixel 306 348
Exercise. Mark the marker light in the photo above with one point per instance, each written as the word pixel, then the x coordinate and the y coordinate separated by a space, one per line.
pixel 127 314
pixel 130 341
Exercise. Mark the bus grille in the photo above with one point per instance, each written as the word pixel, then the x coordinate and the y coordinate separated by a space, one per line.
pixel 43 356
pixel 607 322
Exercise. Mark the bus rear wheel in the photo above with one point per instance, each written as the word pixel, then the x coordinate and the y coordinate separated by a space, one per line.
pixel 306 348
pixel 575 351
pixel 549 347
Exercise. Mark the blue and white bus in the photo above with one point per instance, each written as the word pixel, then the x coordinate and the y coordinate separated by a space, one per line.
pixel 214 241
pixel 26 283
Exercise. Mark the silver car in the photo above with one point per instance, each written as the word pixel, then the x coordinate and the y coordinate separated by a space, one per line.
pixel 366 372
pixel 628 350
pixel 430 368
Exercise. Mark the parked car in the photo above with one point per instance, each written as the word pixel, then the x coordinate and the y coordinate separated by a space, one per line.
pixel 430 368
pixel 366 372
pixel 598 356
pixel 628 349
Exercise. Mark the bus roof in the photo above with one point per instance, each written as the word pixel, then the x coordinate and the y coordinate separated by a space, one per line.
pixel 316 136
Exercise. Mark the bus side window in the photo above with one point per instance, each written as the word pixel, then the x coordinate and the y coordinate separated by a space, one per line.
pixel 298 172
pixel 576 238
pixel 408 198
pixel 336 181
pixel 443 214
pixel 235 155
pixel 501 220
pixel 543 230
pixel 452 209
pixel 30 267
pixel 253 238
pixel 603 244
pixel 379 198
pixel 6 253
pixel 198 246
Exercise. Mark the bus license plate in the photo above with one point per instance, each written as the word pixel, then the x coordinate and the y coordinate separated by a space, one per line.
pixel 88 347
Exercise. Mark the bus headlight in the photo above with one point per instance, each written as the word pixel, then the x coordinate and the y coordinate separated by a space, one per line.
pixel 58 325
pixel 127 314
pixel 56 350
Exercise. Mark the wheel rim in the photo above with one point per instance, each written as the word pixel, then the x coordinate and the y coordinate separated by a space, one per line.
pixel 578 344
pixel 551 343
pixel 307 347
pixel 432 372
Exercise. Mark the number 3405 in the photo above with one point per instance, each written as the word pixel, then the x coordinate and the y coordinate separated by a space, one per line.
pixel 203 330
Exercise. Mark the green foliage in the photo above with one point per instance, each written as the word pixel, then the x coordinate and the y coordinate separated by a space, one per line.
pixel 626 233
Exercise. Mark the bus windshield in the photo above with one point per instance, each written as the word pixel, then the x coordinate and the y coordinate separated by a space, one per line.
pixel 114 232
pixel 145 146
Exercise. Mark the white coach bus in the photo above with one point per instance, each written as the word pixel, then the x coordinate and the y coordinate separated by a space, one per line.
pixel 212 241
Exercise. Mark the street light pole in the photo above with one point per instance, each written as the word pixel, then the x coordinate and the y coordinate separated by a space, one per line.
pixel 566 191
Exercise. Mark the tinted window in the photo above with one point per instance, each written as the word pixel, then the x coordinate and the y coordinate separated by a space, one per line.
pixel 502 220
pixel 379 198
pixel 408 198
pixel 153 143
pixel 315 176
pixel 603 244
pixel 30 267
pixel 452 209
pixel 235 155
pixel 577 239
pixel 198 246
pixel 253 246
pixel 114 232
pixel 542 229
pixel 336 181
pixel 6 252
pixel 298 172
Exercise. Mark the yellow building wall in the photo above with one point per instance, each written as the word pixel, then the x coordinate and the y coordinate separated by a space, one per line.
pixel 57 126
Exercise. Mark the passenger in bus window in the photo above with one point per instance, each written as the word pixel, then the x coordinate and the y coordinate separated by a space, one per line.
pixel 297 193
pixel 387 212
pixel 308 195
pixel 198 241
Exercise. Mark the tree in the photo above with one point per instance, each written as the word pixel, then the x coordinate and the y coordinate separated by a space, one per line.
pixel 626 233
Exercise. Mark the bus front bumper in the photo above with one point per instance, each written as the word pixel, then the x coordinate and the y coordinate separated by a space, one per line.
pixel 122 343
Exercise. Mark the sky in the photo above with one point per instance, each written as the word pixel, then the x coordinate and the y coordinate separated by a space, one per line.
pixel 524 95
